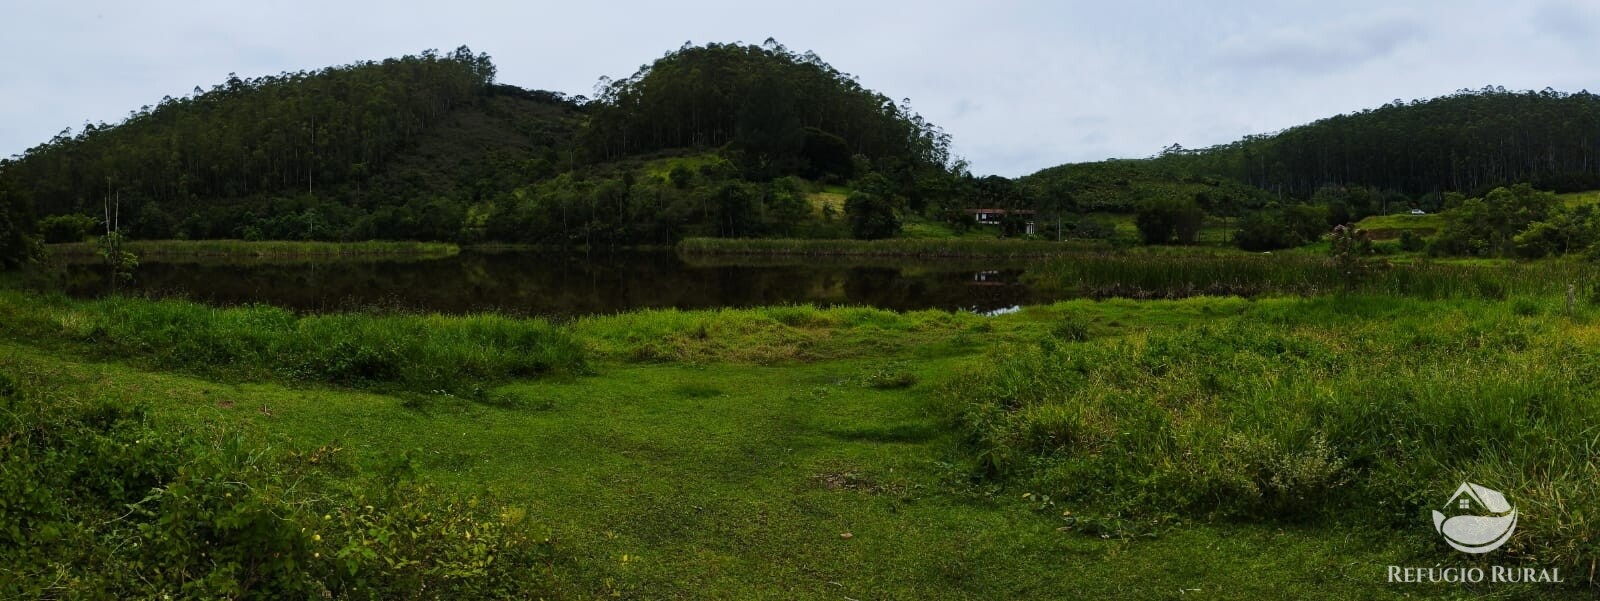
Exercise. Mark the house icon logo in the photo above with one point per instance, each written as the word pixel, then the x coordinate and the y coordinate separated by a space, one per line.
pixel 1480 519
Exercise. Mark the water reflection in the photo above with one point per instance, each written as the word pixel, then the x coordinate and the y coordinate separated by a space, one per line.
pixel 573 284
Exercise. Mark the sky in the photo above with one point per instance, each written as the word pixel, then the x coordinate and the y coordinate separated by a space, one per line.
pixel 1020 86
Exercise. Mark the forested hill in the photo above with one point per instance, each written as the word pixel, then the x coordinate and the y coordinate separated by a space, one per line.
pixel 347 137
pixel 430 147
pixel 781 111
pixel 1467 142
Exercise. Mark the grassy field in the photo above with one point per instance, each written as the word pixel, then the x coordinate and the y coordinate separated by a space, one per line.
pixel 1211 447
pixel 1384 227
pixel 833 199
pixel 181 249
pixel 1573 199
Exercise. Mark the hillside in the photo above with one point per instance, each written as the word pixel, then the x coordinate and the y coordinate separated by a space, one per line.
pixel 721 140
pixel 1120 185
pixel 301 155
pixel 1467 142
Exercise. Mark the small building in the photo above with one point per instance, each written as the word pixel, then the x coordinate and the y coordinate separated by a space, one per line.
pixel 996 216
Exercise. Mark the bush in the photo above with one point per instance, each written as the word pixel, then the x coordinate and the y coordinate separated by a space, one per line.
pixel 1490 226
pixel 1090 228
pixel 18 245
pixel 1263 231
pixel 100 502
pixel 1274 228
pixel 1163 219
pixel 1411 242
pixel 871 216
pixel 66 228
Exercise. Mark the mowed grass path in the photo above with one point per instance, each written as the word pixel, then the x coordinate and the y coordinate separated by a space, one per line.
pixel 736 481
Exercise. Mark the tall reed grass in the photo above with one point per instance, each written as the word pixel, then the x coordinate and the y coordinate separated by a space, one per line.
pixel 1180 275
pixel 1369 409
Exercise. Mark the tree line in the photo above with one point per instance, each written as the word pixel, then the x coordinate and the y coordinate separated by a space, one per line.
pixel 279 134
pixel 1470 142
pixel 722 140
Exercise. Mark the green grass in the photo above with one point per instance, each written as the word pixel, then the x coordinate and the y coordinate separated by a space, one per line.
pixel 1574 199
pixel 177 249
pixel 784 460
pixel 415 353
pixel 1337 409
pixel 1384 227
pixel 661 168
pixel 1120 449
pixel 834 199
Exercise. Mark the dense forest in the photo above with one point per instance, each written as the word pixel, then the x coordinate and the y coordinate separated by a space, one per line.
pixel 1468 142
pixel 784 112
pixel 274 134
pixel 722 140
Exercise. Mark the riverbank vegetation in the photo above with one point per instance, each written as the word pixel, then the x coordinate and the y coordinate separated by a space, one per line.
pixel 241 249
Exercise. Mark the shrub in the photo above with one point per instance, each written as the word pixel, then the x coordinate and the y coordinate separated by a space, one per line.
pixel 18 245
pixel 1489 226
pixel 67 228
pixel 871 216
pixel 1411 242
pixel 1163 219
pixel 1264 231
pixel 100 501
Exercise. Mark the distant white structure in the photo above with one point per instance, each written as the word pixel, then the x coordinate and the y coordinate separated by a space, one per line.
pixel 995 216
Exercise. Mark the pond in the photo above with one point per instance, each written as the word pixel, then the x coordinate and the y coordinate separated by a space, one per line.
pixel 541 283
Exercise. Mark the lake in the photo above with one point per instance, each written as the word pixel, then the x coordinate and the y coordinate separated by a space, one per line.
pixel 565 284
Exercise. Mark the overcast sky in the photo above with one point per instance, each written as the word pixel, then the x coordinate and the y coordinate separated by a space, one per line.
pixel 1020 85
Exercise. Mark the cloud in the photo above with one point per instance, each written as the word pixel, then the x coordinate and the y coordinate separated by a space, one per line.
pixel 1320 49
pixel 1571 22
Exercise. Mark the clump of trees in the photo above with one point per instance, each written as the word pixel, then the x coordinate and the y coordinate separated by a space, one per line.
pixel 1286 226
pixel 18 243
pixel 1515 221
pixel 67 228
pixel 1168 219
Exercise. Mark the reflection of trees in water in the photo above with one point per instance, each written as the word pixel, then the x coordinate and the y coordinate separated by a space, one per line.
pixel 559 284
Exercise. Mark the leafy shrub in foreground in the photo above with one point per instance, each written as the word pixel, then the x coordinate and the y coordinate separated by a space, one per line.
pixel 99 502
